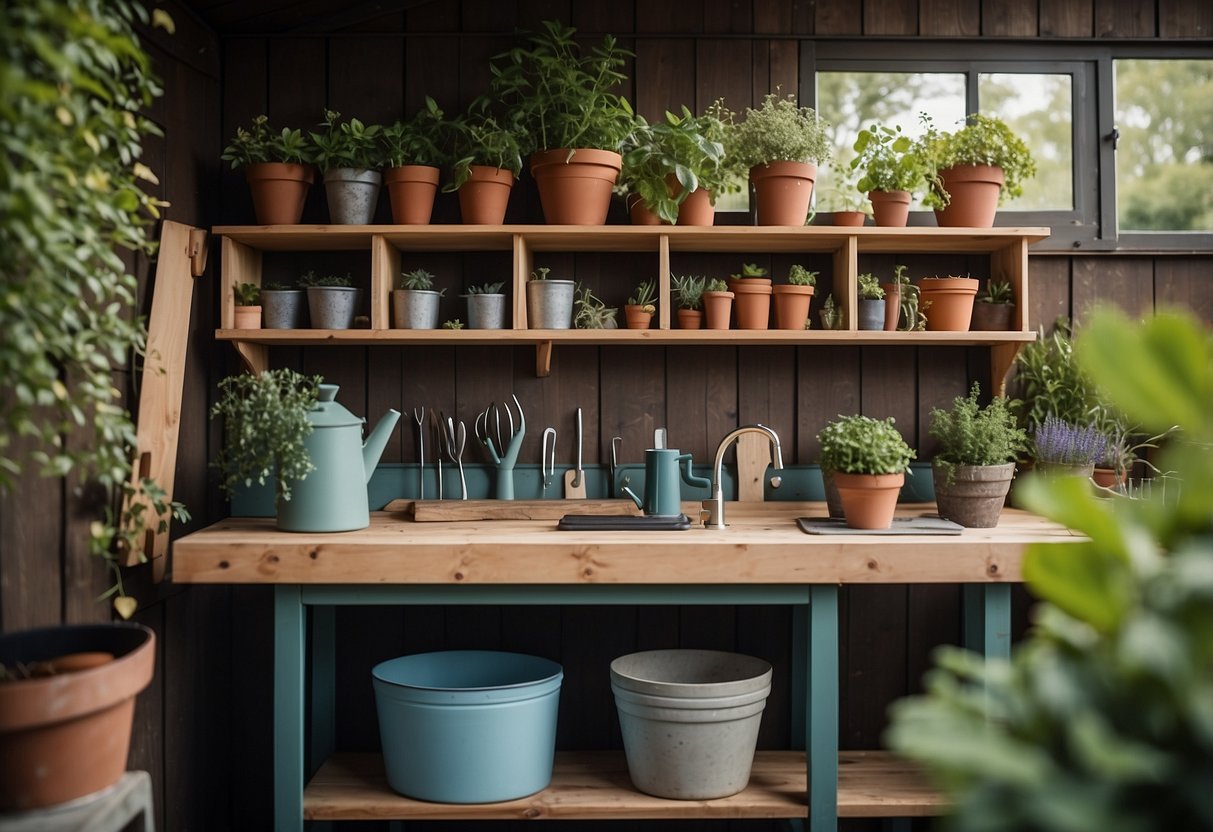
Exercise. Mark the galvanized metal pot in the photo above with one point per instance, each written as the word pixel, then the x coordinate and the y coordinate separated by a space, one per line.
pixel 282 308
pixel 486 311
pixel 332 307
pixel 415 308
pixel 352 195
pixel 549 304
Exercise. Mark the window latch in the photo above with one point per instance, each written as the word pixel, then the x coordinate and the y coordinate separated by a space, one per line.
pixel 1114 137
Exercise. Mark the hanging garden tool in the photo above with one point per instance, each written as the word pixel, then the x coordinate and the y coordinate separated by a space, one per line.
pixel 574 480
pixel 454 438
pixel 419 418
pixel 503 452
pixel 547 460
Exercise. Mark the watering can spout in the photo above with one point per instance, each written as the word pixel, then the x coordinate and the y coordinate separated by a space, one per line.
pixel 372 449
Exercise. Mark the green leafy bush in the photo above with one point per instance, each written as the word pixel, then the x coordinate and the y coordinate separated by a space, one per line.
pixel 1049 381
pixel 798 275
pixel 890 161
pixel 415 141
pixel 983 140
pixel 869 287
pixel 779 130
pixel 687 147
pixel 479 138
pixel 716 285
pixel 970 434
pixel 346 144
pixel 863 445
pixel 247 294
pixel 261 143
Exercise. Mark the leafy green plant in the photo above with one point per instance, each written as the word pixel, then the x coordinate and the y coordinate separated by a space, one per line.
pixel 455 324
pixel 970 434
pixel 261 143
pixel 645 295
pixel 416 141
pixel 798 275
pixel 1049 381
pixel 716 285
pixel 265 423
pixel 346 144
pixel 247 294
pixel 750 270
pixel 779 130
pixel 310 279
pixel 540 273
pixel 486 288
pixel 1100 718
pixel 561 97
pixel 687 148
pixel 982 140
pixel 417 279
pixel 889 159
pixel 863 445
pixel 869 287
pixel 591 312
pixel 688 290
pixel 832 316
pixel 912 317
pixel 996 291
pixel 479 138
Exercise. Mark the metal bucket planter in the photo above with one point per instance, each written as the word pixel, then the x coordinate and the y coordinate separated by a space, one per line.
pixel 549 304
pixel 467 726
pixel 332 307
pixel 282 308
pixel 690 719
pixel 352 195
pixel 486 311
pixel 415 308
pixel 871 314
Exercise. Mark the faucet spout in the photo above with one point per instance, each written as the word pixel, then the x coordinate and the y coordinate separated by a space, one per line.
pixel 715 504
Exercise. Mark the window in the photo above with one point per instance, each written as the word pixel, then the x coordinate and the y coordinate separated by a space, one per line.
pixel 1039 108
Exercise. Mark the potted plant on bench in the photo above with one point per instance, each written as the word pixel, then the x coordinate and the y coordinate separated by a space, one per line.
pixel 867 459
pixel 277 168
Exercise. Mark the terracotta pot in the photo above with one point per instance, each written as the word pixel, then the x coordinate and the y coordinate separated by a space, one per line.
pixel 869 500
pixel 637 317
pixel 993 317
pixel 411 189
pixel 973 495
pixel 792 305
pixel 484 196
pixel 753 300
pixel 717 307
pixel 690 319
pixel 890 209
pixel 576 190
pixel 279 190
pixel 783 191
pixel 973 191
pixel 951 300
pixel 248 317
pixel 852 219
pixel 66 736
pixel 1108 478
pixel 697 209
pixel 1064 469
pixel 641 214
pixel 892 306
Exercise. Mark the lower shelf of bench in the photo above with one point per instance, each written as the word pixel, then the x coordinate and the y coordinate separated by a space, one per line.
pixel 594 785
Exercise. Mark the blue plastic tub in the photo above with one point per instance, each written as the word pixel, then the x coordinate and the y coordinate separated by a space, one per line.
pixel 468 726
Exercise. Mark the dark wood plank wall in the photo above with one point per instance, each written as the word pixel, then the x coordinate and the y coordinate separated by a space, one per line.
pixel 203 727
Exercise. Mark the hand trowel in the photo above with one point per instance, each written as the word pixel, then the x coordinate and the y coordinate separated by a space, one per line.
pixel 574 480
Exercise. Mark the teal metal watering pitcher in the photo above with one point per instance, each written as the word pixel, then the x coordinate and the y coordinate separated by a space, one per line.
pixel 662 491
pixel 333 498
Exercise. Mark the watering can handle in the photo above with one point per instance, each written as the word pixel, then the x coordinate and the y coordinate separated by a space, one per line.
pixel 688 477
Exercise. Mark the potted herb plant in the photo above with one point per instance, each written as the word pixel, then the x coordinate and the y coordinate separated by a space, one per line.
pixel 975 463
pixel 893 171
pixel 792 299
pixel 638 312
pixel 412 158
pixel 277 168
pixel 564 100
pixel 282 306
pixel 972 170
pixel 347 152
pixel 1063 449
pixel 868 459
pixel 488 159
pixel 951 301
pixel 486 306
pixel 781 144
pixel 717 304
pixel 415 302
pixel 871 302
pixel 687 292
pixel 832 315
pixel 1048 381
pixel 994 310
pixel 672 170
pixel 591 312
pixel 331 300
pixel 910 307
pixel 752 288
pixel 248 305
pixel 549 302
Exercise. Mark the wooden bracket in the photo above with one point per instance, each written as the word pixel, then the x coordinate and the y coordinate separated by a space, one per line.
pixel 1002 357
pixel 543 359
pixel 197 251
pixel 256 357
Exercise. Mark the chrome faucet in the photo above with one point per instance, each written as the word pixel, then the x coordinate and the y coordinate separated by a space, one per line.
pixel 715 504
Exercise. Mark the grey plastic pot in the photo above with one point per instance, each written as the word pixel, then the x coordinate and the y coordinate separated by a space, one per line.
pixel 486 311
pixel 332 307
pixel 549 304
pixel 415 308
pixel 871 314
pixel 975 495
pixel 690 719
pixel 352 195
pixel 282 308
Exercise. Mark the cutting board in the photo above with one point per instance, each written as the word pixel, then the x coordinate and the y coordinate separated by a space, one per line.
pixel 426 511
pixel 753 458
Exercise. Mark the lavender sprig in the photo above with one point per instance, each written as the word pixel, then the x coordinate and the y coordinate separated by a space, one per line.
pixel 1062 442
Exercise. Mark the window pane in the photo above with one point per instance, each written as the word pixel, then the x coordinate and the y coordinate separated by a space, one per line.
pixel 1039 109
pixel 851 100
pixel 1164 157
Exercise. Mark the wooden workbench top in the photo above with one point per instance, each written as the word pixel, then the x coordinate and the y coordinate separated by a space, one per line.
pixel 762 546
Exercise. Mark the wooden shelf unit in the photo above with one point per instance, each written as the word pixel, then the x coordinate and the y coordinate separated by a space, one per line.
pixel 243 246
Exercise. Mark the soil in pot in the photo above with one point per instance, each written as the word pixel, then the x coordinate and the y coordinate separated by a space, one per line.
pixel 279 190
pixel 973 192
pixel 484 197
pixel 972 495
pixel 951 302
pixel 575 189
pixel 869 500
pixel 352 194
pixel 890 209
pixel 792 306
pixel 717 308
pixel 411 189
pixel 783 191
pixel 753 300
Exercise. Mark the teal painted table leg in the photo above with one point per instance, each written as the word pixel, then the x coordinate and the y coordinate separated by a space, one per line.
pixel 822 739
pixel 324 686
pixel 987 619
pixel 289 643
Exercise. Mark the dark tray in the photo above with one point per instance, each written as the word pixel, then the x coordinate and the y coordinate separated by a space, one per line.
pixel 924 524
pixel 601 523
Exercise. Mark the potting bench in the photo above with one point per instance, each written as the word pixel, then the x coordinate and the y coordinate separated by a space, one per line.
pixel 761 559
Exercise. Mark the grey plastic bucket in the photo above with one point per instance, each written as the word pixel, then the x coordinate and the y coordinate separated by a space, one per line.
pixel 467 726
pixel 690 719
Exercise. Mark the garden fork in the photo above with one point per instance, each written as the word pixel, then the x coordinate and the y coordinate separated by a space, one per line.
pixel 419 418
pixel 505 452
pixel 454 437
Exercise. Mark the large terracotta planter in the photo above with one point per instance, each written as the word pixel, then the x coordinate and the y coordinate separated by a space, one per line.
pixel 951 299
pixel 973 191
pixel 783 191
pixel 697 209
pixel 66 736
pixel 890 209
pixel 993 317
pixel 484 197
pixel 973 495
pixel 717 307
pixel 753 301
pixel 792 305
pixel 279 190
pixel 575 190
pixel 411 189
pixel 869 500
pixel 691 319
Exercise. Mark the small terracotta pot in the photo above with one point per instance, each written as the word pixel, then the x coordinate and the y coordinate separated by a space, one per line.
pixel 717 307
pixel 637 317
pixel 783 191
pixel 279 190
pixel 576 189
pixel 697 209
pixel 792 305
pixel 248 317
pixel 973 196
pixel 951 299
pixel 411 189
pixel 1108 478
pixel 851 219
pixel 641 214
pixel 869 500
pixel 753 299
pixel 892 306
pixel 890 209
pixel 690 319
pixel 993 317
pixel 484 197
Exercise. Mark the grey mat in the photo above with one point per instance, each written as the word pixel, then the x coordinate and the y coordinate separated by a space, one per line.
pixel 925 524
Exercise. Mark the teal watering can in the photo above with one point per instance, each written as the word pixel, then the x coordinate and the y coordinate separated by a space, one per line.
pixel 662 491
pixel 333 498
